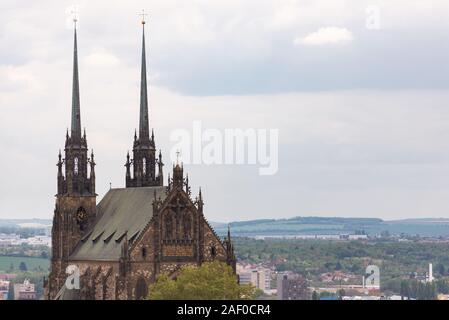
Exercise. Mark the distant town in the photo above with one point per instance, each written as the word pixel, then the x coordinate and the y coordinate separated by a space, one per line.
pixel 321 266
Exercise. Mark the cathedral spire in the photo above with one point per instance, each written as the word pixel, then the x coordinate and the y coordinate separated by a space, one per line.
pixel 144 123
pixel 144 160
pixel 76 112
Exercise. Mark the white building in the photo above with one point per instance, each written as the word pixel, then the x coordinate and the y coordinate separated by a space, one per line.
pixel 258 277
pixel 4 289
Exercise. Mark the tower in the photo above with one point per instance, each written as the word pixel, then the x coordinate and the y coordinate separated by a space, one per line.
pixel 144 160
pixel 75 205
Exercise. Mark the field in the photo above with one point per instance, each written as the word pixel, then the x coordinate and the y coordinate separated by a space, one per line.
pixel 33 264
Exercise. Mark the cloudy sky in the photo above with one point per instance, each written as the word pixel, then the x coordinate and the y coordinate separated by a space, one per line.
pixel 362 105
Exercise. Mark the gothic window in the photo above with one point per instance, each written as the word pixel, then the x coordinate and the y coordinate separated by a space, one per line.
pixel 187 226
pixel 144 253
pixel 75 166
pixel 141 289
pixel 144 166
pixel 213 252
pixel 168 226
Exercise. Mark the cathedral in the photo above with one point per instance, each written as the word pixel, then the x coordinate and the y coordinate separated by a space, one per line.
pixel 122 243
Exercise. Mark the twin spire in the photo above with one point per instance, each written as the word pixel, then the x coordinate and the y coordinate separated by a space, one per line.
pixel 76 112
pixel 144 132
pixel 145 161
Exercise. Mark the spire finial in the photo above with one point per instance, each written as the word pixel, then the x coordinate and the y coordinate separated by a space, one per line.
pixel 74 13
pixel 143 15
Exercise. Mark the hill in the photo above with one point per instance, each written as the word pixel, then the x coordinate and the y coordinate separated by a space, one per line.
pixel 335 225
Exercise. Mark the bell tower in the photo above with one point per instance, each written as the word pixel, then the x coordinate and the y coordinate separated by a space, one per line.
pixel 75 207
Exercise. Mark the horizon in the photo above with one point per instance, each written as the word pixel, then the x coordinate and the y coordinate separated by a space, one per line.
pixel 285 218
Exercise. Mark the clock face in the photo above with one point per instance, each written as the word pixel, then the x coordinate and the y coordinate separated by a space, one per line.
pixel 81 215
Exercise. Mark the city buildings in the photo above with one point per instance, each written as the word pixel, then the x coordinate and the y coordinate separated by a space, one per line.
pixel 292 287
pixel 24 291
pixel 259 277
pixel 13 239
pixel 4 289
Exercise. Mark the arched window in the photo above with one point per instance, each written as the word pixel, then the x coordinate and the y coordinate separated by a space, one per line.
pixel 213 252
pixel 144 166
pixel 75 166
pixel 187 226
pixel 144 252
pixel 168 226
pixel 141 289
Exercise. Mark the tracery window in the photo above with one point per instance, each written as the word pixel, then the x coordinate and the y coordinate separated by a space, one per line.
pixel 187 226
pixel 168 226
pixel 141 289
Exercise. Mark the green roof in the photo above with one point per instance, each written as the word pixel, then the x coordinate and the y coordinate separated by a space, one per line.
pixel 120 212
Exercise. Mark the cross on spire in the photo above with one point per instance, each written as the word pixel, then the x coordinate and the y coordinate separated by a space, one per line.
pixel 143 15
pixel 74 13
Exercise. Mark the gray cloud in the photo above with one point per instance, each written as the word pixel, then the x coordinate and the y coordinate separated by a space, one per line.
pixel 380 151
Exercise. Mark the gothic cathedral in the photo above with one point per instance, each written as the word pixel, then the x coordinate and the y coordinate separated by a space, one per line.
pixel 121 244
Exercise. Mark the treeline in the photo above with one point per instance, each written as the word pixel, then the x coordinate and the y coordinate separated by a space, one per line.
pixel 23 232
pixel 414 289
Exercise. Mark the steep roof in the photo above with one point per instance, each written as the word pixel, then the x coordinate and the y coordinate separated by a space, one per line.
pixel 121 212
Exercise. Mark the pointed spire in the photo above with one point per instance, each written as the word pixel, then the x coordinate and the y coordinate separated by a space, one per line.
pixel 76 112
pixel 144 123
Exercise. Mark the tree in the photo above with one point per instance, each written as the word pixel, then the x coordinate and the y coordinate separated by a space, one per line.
pixel 405 290
pixel 442 286
pixel 441 269
pixel 315 295
pixel 23 266
pixel 11 291
pixel 341 293
pixel 210 281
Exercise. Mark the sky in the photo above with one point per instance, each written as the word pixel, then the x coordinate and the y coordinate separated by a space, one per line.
pixel 359 91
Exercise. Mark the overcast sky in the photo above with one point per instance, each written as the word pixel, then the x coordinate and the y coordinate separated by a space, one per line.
pixel 362 113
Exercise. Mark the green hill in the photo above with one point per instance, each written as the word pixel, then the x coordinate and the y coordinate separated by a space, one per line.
pixel 336 225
